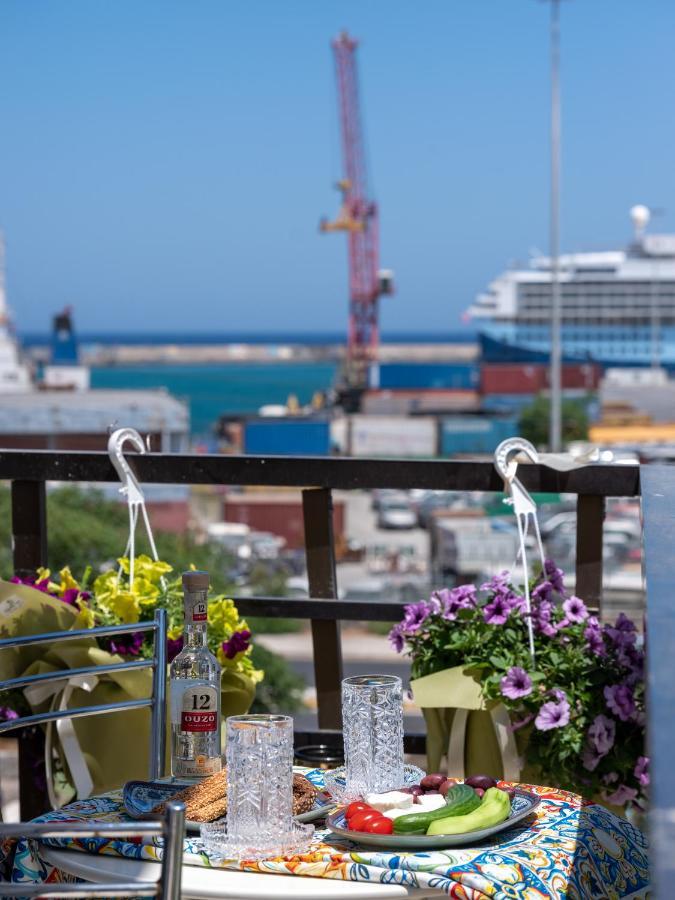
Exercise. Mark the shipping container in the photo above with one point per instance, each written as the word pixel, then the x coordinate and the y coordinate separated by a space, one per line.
pixel 393 436
pixel 436 376
pixel 279 514
pixel 475 434
pixel 287 437
pixel 389 402
pixel 531 378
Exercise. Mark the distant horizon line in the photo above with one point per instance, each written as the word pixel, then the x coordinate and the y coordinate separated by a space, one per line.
pixel 455 335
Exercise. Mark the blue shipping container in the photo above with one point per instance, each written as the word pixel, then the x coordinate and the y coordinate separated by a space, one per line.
pixel 287 437
pixel 430 376
pixel 469 434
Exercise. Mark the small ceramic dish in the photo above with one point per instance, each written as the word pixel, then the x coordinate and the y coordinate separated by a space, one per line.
pixel 522 805
pixel 141 797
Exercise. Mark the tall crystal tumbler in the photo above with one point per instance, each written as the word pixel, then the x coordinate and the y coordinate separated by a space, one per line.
pixel 259 756
pixel 372 717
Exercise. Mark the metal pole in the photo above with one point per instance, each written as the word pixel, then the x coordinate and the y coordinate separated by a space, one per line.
pixel 555 428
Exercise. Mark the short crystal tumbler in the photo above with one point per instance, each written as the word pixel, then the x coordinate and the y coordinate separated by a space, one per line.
pixel 372 722
pixel 259 755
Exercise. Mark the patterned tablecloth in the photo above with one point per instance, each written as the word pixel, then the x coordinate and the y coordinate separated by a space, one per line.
pixel 571 849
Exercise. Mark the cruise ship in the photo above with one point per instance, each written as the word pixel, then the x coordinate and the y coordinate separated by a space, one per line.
pixel 618 307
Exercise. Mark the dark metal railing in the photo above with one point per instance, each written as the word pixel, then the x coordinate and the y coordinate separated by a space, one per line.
pixel 316 477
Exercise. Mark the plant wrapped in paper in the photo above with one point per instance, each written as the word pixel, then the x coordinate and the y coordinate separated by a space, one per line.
pixel 96 753
pixel 573 714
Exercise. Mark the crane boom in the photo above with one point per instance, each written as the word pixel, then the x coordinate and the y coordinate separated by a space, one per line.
pixel 358 217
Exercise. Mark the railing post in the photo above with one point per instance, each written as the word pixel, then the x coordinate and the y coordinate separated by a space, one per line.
pixel 317 507
pixel 29 550
pixel 29 525
pixel 590 517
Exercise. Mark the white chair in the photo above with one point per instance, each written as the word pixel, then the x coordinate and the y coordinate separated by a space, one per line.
pixel 157 701
pixel 171 829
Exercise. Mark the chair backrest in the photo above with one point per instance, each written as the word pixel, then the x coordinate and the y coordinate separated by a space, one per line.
pixel 157 701
pixel 171 828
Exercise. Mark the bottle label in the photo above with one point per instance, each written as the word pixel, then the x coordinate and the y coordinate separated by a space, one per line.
pixel 199 709
pixel 195 609
pixel 198 767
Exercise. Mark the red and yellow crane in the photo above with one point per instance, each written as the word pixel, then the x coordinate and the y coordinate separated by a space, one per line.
pixel 358 217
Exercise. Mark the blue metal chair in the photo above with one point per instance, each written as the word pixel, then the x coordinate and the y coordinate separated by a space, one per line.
pixel 157 701
pixel 171 828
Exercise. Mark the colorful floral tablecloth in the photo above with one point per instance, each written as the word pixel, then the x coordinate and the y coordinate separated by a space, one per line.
pixel 571 849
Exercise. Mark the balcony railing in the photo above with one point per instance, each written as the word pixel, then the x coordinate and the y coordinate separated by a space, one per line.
pixel 28 472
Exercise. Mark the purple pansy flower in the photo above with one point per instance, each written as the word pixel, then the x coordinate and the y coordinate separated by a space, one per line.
pixel 619 698
pixel 239 642
pixel 127 644
pixel 641 770
pixel 553 715
pixel 32 581
pixel 575 610
pixel 6 713
pixel 516 683
pixel 623 794
pixel 497 611
pixel 601 734
pixel 173 647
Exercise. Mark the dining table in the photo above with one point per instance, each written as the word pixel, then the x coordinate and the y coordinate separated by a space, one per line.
pixel 568 848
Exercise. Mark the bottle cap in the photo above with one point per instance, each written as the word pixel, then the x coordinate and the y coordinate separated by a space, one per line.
pixel 195 581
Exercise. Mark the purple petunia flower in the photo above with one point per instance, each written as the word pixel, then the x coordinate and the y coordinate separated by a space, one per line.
pixel 516 683
pixel 623 794
pixel 601 734
pixel 543 592
pixel 555 576
pixel 622 633
pixel 497 611
pixel 575 610
pixel 451 601
pixel 173 647
pixel 590 759
pixel 239 642
pixel 72 595
pixel 31 581
pixel 594 639
pixel 127 644
pixel 553 715
pixel 396 638
pixel 6 713
pixel 498 584
pixel 619 698
pixel 415 615
pixel 521 723
pixel 542 619
pixel 641 770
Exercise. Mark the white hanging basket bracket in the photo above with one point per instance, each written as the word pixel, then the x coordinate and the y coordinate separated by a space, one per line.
pixel 524 508
pixel 131 488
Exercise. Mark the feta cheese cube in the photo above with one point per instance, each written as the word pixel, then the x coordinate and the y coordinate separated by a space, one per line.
pixel 389 800
pixel 430 801
pixel 395 813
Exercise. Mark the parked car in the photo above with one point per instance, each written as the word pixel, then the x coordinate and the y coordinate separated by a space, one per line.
pixel 396 513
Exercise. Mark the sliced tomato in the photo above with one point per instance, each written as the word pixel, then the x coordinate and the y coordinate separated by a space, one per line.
pixel 359 821
pixel 381 825
pixel 354 808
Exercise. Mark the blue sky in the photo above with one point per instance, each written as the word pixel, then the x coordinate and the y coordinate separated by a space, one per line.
pixel 164 163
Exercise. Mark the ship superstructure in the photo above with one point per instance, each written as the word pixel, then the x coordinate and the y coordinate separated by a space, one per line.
pixel 15 377
pixel 618 307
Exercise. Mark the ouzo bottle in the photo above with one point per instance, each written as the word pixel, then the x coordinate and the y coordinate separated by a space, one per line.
pixel 194 688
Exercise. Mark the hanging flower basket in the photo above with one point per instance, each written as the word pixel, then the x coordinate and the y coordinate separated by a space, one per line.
pixel 99 753
pixel 571 716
